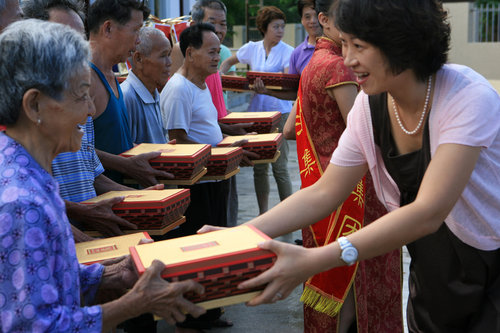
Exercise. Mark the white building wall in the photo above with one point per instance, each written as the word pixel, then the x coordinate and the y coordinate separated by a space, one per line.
pixel 482 57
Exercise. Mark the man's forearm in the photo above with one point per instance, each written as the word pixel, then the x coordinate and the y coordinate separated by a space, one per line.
pixel 117 311
pixel 103 184
pixel 111 161
pixel 79 236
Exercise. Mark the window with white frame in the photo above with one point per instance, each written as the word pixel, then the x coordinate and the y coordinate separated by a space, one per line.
pixel 485 16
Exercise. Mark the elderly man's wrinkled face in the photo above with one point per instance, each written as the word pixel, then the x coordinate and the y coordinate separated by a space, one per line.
pixel 11 13
pixel 206 58
pixel 65 119
pixel 218 18
pixel 156 66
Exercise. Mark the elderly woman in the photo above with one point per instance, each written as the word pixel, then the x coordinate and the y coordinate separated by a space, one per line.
pixel 45 103
pixel 268 55
pixel 429 134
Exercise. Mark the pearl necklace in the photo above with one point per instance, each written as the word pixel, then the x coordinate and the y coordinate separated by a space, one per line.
pixel 420 122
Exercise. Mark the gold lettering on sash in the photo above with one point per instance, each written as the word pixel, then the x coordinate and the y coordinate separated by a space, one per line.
pixel 350 225
pixel 359 194
pixel 298 123
pixel 308 162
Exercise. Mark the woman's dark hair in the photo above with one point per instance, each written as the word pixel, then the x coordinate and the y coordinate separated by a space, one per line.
pixel 301 4
pixel 116 10
pixel 324 6
pixel 193 36
pixel 267 14
pixel 412 34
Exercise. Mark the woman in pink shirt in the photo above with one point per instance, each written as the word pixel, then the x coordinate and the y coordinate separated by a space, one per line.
pixel 429 134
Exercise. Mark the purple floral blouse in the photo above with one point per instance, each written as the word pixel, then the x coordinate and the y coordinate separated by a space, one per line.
pixel 40 278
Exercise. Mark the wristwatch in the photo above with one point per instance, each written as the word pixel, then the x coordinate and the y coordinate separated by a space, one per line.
pixel 349 253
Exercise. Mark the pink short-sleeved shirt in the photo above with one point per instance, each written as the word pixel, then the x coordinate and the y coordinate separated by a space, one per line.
pixel 466 111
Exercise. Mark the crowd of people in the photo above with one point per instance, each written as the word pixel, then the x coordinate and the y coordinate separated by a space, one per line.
pixel 395 147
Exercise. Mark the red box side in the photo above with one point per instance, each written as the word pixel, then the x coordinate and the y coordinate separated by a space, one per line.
pixel 214 265
pixel 137 261
pixel 215 261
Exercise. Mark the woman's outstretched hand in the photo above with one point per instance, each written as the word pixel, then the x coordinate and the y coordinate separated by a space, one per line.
pixel 293 266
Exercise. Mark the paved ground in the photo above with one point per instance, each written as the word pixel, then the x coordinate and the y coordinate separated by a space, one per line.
pixel 284 316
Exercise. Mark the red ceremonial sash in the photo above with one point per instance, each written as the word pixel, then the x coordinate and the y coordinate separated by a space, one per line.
pixel 326 291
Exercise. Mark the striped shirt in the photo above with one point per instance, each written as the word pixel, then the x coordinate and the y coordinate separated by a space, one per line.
pixel 75 171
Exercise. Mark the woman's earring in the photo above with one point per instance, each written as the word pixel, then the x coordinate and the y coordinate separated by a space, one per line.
pixel 38 121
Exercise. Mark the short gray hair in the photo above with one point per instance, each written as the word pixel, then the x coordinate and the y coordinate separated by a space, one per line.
pixel 41 55
pixel 39 9
pixel 146 34
pixel 198 10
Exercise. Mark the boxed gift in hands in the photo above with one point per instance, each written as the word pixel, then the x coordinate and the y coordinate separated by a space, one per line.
pixel 224 160
pixel 219 260
pixel 234 83
pixel 266 145
pixel 263 122
pixel 149 210
pixel 184 161
pixel 107 248
pixel 275 81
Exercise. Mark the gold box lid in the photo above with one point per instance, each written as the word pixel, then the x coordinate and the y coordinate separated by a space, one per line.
pixel 107 248
pixel 181 150
pixel 255 138
pixel 137 196
pixel 201 250
pixel 220 151
pixel 252 115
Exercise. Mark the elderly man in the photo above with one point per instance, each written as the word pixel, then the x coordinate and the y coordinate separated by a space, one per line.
pixel 150 69
pixel 46 105
pixel 113 33
pixel 213 12
pixel 190 117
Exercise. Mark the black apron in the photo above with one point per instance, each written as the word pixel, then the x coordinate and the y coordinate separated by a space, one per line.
pixel 453 287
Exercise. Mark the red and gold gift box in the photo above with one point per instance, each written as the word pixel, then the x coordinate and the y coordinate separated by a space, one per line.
pixel 218 260
pixel 234 83
pixel 275 81
pixel 263 122
pixel 107 248
pixel 266 145
pixel 224 161
pixel 149 210
pixel 184 161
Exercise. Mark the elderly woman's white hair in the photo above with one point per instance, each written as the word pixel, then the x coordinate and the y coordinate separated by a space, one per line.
pixel 41 55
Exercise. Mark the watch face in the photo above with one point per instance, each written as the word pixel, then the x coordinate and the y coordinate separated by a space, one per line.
pixel 350 255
